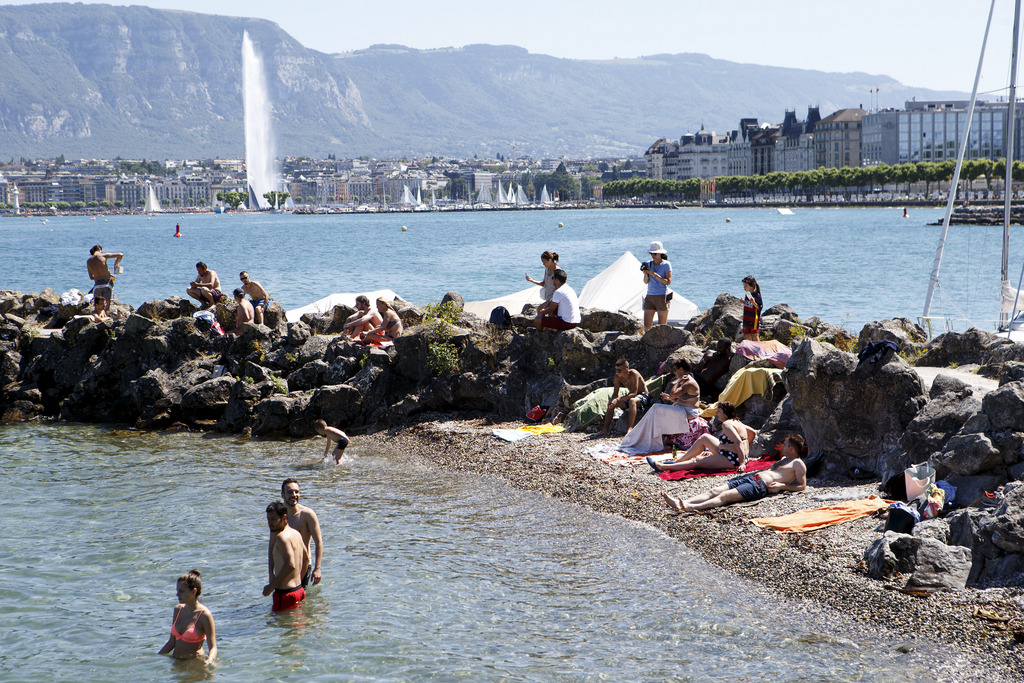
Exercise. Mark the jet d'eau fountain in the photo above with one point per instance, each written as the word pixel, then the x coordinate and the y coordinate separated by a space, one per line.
pixel 260 168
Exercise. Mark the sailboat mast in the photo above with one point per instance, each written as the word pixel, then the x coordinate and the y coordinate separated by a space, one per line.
pixel 956 171
pixel 1009 142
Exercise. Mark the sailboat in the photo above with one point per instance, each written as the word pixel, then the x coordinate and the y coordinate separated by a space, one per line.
pixel 1011 299
pixel 502 197
pixel 545 198
pixel 152 203
pixel 484 195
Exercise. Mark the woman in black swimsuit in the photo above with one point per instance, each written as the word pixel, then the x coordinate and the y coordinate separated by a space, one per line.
pixel 390 327
pixel 729 451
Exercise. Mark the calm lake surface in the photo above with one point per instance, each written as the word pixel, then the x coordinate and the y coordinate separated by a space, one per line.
pixel 847 266
pixel 426 575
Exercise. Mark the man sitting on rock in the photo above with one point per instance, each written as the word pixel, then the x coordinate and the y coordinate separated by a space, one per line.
pixel 788 474
pixel 259 296
pixel 562 310
pixel 206 287
pixel 636 400
pixel 243 311
pixel 365 318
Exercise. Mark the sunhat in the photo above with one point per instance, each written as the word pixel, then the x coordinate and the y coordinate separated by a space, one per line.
pixel 656 248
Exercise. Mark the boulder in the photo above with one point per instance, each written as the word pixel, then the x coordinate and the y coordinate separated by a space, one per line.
pixel 782 311
pixel 596 320
pixel 455 298
pixel 339 404
pixel 856 413
pixel 298 333
pixel 1008 527
pixel 723 319
pixel 1005 407
pixel 906 334
pixel 782 421
pixel 968 454
pixel 309 376
pixel 274 315
pixel 891 554
pixel 171 308
pixel 938 566
pixel 207 400
pixel 273 415
pixel 951 404
pixel 785 330
pixel 960 348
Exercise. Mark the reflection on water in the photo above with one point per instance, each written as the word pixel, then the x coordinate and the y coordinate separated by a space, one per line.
pixel 426 575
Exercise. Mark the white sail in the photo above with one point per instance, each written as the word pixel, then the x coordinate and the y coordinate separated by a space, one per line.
pixel 484 196
pixel 419 197
pixel 521 196
pixel 433 198
pixel 288 203
pixel 545 198
pixel 152 203
pixel 407 199
pixel 511 195
pixel 502 197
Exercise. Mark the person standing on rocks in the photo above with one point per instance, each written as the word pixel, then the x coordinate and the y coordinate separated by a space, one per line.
pixel 244 311
pixel 287 558
pixel 752 305
pixel 562 310
pixel 304 520
pixel 259 296
pixel 102 280
pixel 636 400
pixel 788 474
pixel 334 436
pixel 657 276
pixel 205 288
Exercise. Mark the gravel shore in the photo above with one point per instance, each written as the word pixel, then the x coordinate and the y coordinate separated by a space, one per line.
pixel 820 568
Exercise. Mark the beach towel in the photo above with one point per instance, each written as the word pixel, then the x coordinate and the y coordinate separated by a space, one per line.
pixel 752 466
pixel 773 351
pixel 648 434
pixel 610 454
pixel 543 429
pixel 819 518
pixel 595 404
pixel 510 434
pixel 746 382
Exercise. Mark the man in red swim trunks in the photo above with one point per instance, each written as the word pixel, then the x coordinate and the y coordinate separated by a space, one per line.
pixel 287 560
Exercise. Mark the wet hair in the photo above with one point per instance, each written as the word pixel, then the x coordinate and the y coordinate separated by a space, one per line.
pixel 192 581
pixel 550 256
pixel 622 363
pixel 201 266
pixel 321 424
pixel 797 442
pixel 239 293
pixel 95 248
pixel 287 481
pixel 362 299
pixel 749 280
pixel 560 275
pixel 682 364
pixel 728 409
pixel 278 508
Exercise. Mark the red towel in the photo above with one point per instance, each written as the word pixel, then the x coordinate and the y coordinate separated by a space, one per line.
pixel 752 466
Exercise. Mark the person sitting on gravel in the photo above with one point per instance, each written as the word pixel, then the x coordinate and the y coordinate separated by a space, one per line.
pixel 788 474
pixel 725 451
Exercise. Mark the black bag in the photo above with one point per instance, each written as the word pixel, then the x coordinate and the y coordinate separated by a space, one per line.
pixel 501 317
pixel 814 461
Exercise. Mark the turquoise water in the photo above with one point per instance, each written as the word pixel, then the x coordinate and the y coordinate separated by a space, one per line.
pixel 843 265
pixel 426 575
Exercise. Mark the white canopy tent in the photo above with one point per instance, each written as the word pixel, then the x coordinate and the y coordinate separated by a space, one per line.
pixel 619 287
pixel 325 305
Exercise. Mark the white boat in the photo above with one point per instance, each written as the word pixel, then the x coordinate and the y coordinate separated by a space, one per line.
pixel 152 203
pixel 545 198
pixel 1011 299
pixel 484 195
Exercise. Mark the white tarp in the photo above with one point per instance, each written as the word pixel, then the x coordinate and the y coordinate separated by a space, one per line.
pixel 620 287
pixel 321 306
pixel 513 302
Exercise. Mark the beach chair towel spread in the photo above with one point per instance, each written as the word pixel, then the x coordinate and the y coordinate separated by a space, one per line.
pixel 752 466
pixel 819 518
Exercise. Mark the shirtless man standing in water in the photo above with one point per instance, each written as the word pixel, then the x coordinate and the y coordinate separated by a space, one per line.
pixel 788 474
pixel 288 560
pixel 304 520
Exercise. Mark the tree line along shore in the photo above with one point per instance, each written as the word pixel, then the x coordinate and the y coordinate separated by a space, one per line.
pixel 451 376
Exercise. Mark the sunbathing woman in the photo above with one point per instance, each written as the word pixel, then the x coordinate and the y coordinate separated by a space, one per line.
pixel 390 328
pixel 728 451
pixel 192 622
pixel 661 419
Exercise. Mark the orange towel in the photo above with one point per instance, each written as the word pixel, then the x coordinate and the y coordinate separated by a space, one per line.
pixel 819 518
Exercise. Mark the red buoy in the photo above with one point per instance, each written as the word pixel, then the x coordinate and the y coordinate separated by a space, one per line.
pixel 177 230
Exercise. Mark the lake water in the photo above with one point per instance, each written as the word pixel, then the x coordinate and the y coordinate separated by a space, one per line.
pixel 846 266
pixel 426 575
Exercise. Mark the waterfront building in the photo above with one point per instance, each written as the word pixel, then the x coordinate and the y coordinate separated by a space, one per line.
pixel 837 139
pixel 699 155
pixel 794 150
pixel 762 149
pixel 738 158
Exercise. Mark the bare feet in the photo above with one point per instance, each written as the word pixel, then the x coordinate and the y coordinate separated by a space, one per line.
pixel 673 502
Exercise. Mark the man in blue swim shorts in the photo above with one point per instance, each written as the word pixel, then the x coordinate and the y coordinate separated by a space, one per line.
pixel 788 474
pixel 259 296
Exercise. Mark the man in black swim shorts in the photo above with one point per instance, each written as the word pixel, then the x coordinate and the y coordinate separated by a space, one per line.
pixel 788 474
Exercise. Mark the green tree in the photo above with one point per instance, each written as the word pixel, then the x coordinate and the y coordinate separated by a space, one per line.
pixel 276 198
pixel 231 198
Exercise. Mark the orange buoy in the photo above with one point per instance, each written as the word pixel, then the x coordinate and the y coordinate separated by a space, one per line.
pixel 177 230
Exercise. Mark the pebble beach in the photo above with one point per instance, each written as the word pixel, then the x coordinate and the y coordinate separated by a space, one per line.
pixel 819 571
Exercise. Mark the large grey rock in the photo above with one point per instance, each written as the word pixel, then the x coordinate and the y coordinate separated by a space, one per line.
pixel 952 403
pixel 960 348
pixel 891 554
pixel 208 399
pixel 273 415
pixel 723 319
pixel 596 320
pixel 781 311
pixel 938 566
pixel 908 335
pixel 856 413
pixel 1005 407
pixel 455 298
pixel 1008 526
pixel 968 454
pixel 308 376
pixel 781 422
pixel 298 333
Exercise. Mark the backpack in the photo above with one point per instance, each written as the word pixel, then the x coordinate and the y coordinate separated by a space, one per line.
pixel 500 317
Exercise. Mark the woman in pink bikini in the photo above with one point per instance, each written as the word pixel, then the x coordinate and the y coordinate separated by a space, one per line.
pixel 192 622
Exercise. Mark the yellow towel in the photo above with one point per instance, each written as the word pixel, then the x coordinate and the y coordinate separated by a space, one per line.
pixel 543 429
pixel 746 382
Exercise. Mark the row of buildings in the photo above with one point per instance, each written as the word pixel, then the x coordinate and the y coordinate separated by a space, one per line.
pixel 921 131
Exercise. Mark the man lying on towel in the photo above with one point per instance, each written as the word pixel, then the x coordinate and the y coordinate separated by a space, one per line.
pixel 788 474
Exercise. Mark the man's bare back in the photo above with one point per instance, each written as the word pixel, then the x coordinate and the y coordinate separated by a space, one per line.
pixel 289 555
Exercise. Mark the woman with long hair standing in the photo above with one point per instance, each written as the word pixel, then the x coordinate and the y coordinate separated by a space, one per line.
pixel 752 305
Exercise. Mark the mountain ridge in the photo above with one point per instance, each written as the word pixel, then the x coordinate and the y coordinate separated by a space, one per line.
pixel 102 81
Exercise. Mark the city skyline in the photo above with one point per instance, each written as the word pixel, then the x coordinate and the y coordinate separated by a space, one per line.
pixel 922 43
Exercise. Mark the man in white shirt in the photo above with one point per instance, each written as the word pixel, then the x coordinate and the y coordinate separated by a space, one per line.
pixel 562 310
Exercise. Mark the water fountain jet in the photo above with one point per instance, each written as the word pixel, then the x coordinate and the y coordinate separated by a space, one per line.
pixel 259 139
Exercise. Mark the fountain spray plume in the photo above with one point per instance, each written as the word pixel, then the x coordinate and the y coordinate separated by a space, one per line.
pixel 261 175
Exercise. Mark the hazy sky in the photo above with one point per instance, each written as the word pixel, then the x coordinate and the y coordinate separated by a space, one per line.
pixel 923 43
